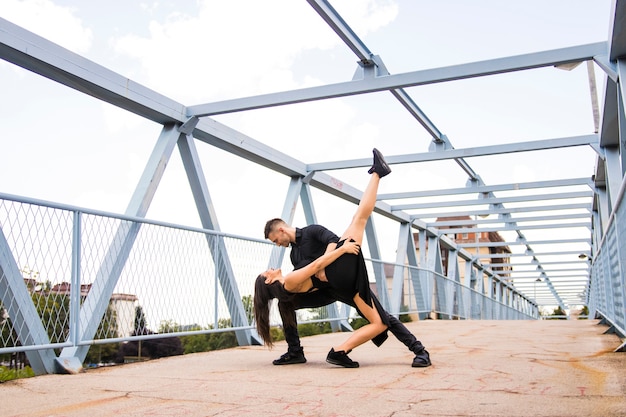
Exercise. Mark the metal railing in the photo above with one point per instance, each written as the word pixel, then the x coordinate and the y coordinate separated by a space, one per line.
pixel 56 266
pixel 607 288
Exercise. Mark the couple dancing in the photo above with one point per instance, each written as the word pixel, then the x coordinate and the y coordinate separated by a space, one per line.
pixel 329 269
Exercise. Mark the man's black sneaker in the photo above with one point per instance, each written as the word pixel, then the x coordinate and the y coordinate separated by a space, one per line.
pixel 380 165
pixel 341 358
pixel 421 359
pixel 290 358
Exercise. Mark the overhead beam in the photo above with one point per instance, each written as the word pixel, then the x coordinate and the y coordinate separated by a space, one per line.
pixel 473 220
pixel 585 140
pixel 489 188
pixel 531 264
pixel 34 53
pixel 347 35
pixel 41 56
pixel 560 253
pixel 584 277
pixel 573 206
pixel 409 79
pixel 525 242
pixel 515 227
pixel 512 199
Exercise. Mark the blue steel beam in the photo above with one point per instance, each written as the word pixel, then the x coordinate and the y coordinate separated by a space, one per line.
pixel 409 79
pixel 219 252
pixel 489 188
pixel 17 301
pixel 585 140
pixel 495 200
pixel 552 207
pixel 516 227
pixel 529 242
pixel 97 301
pixel 471 221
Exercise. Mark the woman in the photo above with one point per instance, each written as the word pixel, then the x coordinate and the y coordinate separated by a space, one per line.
pixel 346 274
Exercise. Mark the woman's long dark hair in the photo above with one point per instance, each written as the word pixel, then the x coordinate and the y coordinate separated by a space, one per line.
pixel 263 295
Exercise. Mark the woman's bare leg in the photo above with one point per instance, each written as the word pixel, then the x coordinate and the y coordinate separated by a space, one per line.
pixel 365 333
pixel 368 200
pixel 355 231
pixel 364 210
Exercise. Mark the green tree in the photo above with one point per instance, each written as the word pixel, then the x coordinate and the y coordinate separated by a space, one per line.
pixel 195 342
pixel 558 312
pixel 140 326
pixel 54 311
pixel 205 342
pixel 248 303
pixel 584 313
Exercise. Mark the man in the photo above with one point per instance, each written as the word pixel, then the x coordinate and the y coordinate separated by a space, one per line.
pixel 307 244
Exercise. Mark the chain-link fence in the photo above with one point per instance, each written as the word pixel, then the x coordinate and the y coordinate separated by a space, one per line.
pixel 73 277
pixel 607 289
pixel 165 279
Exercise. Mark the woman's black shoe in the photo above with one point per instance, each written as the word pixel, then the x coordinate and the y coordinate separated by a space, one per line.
pixel 341 358
pixel 290 358
pixel 421 359
pixel 380 165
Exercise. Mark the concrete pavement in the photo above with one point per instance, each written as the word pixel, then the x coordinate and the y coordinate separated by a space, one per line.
pixel 480 368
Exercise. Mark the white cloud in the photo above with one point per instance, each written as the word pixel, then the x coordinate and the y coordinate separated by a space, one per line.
pixel 56 23
pixel 117 120
pixel 235 48
pixel 367 16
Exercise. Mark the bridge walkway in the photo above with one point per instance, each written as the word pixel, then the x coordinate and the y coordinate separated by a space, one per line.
pixel 480 368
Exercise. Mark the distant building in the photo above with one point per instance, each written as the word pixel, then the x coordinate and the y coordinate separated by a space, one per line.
pixel 65 287
pixel 122 305
pixel 486 254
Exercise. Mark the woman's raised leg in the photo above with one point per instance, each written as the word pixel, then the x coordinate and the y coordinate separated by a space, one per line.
pixel 368 200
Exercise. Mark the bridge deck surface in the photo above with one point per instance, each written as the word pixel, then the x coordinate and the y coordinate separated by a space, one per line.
pixel 480 368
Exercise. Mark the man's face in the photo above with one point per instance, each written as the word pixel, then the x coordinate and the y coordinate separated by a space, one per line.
pixel 279 237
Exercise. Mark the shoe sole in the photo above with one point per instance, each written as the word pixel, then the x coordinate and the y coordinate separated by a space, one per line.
pixel 383 164
pixel 421 365
pixel 339 363
pixel 289 363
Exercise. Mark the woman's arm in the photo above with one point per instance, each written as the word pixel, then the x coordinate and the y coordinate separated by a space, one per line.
pixel 293 281
pixel 321 274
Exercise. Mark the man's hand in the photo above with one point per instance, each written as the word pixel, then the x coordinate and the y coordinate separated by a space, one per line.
pixel 351 247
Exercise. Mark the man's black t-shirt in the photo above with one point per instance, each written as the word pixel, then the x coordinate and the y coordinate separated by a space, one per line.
pixel 311 243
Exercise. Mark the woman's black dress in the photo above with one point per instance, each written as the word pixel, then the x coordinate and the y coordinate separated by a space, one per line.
pixel 348 276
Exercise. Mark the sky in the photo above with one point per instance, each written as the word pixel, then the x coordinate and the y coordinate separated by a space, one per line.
pixel 59 145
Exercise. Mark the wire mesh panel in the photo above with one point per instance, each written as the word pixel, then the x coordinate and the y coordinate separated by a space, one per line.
pixel 136 279
pixel 172 280
pixel 608 284
pixel 619 280
pixel 164 280
pixel 39 239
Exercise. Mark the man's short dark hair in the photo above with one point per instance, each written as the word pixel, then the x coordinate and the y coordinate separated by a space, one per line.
pixel 271 225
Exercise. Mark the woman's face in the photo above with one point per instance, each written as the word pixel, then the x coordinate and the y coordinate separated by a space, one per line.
pixel 272 275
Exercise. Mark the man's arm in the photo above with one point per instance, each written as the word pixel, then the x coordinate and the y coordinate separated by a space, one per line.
pixel 323 235
pixel 299 280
